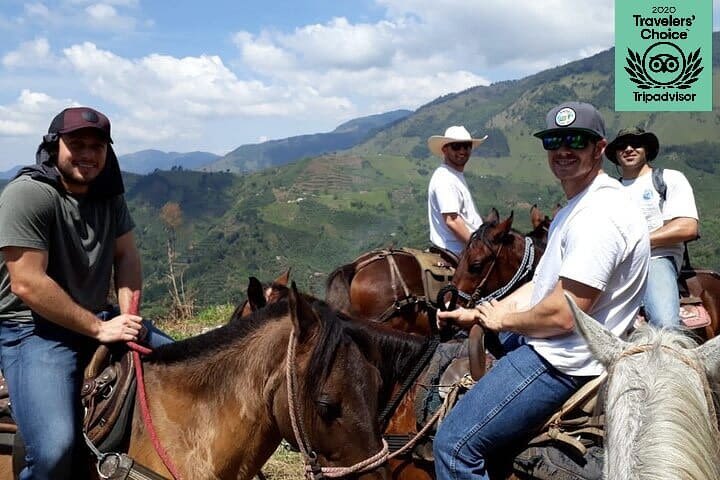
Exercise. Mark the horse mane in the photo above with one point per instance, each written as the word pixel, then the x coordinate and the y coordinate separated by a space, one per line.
pixel 658 401
pixel 390 351
pixel 217 339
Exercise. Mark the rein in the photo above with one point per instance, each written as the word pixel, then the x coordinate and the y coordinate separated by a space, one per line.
pixel 313 470
pixel 525 268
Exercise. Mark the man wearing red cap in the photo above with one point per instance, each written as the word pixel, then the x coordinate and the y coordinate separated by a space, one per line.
pixel 65 230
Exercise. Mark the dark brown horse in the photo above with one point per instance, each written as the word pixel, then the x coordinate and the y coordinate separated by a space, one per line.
pixel 221 401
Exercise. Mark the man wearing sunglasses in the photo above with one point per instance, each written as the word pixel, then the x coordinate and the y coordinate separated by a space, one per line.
pixel 598 251
pixel 451 211
pixel 671 216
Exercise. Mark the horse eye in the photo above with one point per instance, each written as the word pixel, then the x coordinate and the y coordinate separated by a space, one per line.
pixel 476 267
pixel 327 409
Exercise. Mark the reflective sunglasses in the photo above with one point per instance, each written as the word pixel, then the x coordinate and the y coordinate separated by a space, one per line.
pixel 460 145
pixel 575 140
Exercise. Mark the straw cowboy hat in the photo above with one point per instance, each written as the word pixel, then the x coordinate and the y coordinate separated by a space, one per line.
pixel 452 134
pixel 648 139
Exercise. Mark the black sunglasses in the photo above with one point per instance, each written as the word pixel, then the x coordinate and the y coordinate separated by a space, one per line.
pixel 574 140
pixel 460 145
pixel 630 143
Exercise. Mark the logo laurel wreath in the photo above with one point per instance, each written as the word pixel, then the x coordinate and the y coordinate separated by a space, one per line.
pixel 637 74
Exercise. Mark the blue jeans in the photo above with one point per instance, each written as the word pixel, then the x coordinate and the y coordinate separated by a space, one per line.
pixel 515 398
pixel 43 364
pixel 662 300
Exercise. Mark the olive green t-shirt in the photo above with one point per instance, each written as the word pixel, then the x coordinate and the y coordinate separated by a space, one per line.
pixel 78 233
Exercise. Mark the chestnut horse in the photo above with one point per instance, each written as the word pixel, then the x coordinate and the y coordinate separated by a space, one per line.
pixel 366 290
pixel 222 401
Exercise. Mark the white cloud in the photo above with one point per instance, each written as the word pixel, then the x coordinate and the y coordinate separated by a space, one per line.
pixel 161 90
pixel 33 54
pixel 102 16
pixel 28 111
pixel 38 11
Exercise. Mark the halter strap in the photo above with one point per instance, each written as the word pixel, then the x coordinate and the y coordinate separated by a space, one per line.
pixel 313 469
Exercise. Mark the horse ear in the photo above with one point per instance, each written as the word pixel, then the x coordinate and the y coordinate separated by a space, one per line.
pixel 535 216
pixel 492 217
pixel 501 229
pixel 605 347
pixel 301 313
pixel 556 209
pixel 255 294
pixel 283 279
pixel 709 353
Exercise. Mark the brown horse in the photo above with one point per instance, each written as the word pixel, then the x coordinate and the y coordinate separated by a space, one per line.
pixel 221 401
pixel 498 259
pixel 384 287
pixel 387 287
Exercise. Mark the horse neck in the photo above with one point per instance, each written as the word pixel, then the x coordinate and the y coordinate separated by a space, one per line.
pixel 658 421
pixel 212 411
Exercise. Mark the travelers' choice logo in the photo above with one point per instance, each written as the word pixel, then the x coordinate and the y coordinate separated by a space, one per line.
pixel 664 65
pixel 663 55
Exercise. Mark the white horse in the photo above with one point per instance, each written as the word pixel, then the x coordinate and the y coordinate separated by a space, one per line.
pixel 660 414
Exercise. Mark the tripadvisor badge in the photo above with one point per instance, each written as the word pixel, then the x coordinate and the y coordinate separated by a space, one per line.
pixel 663 56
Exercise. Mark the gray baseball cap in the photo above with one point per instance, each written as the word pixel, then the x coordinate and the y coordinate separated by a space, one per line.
pixel 573 116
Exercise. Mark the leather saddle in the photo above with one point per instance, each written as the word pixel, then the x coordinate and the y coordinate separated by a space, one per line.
pixel 108 397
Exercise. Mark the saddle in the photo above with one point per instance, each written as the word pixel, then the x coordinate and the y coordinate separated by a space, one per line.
pixel 437 269
pixel 693 313
pixel 108 397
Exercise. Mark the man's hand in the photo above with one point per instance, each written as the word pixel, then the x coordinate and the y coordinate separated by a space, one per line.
pixel 492 313
pixel 123 328
pixel 462 317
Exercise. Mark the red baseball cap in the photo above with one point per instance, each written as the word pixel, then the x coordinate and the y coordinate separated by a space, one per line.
pixel 76 118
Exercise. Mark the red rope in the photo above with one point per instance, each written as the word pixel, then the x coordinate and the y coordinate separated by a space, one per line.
pixel 138 350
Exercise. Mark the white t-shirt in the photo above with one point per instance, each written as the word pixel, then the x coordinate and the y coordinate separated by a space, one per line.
pixel 448 193
pixel 600 241
pixel 679 202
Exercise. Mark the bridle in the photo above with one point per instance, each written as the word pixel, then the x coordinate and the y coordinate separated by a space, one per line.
pixel 524 269
pixel 313 469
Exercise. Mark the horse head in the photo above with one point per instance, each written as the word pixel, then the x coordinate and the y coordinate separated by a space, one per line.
pixel 342 383
pixel 258 295
pixel 660 413
pixel 490 259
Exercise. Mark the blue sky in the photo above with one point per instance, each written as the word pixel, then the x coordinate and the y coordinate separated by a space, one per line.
pixel 212 75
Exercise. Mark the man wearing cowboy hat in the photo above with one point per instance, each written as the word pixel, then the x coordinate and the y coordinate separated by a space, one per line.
pixel 671 220
pixel 451 210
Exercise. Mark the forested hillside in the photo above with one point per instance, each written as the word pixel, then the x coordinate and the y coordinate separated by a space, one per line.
pixel 317 213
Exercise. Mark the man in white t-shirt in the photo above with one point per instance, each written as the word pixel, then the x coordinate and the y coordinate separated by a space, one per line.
pixel 672 220
pixel 451 210
pixel 598 251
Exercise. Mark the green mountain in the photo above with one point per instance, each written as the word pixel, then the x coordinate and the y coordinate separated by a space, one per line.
pixel 273 153
pixel 146 161
pixel 317 213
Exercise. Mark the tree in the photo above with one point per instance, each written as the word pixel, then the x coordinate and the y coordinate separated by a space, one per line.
pixel 182 304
